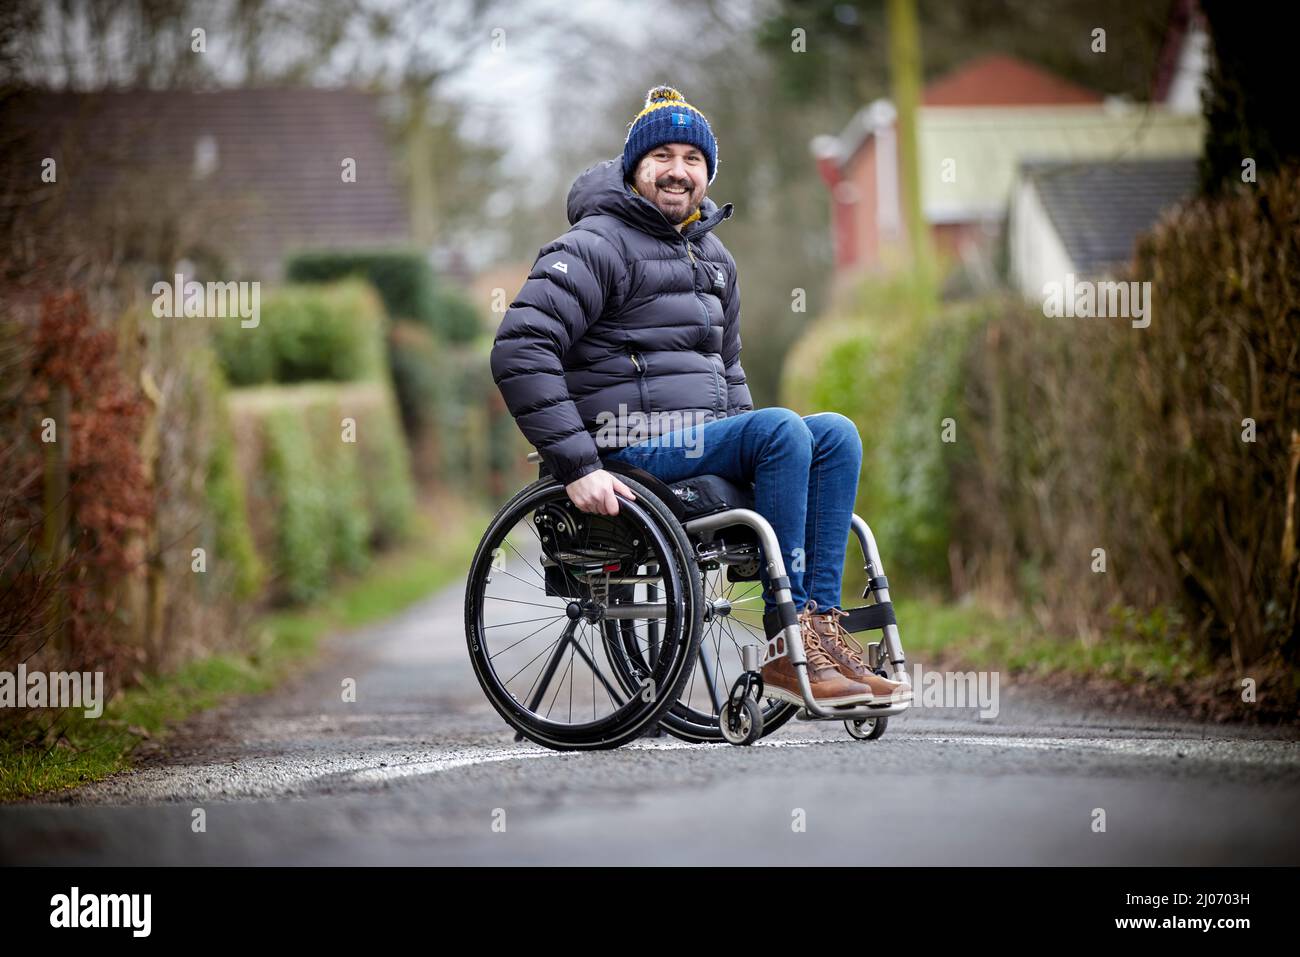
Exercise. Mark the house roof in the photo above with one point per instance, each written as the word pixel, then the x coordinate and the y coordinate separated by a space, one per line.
pixel 999 80
pixel 1099 208
pixel 982 148
pixel 260 168
pixel 989 81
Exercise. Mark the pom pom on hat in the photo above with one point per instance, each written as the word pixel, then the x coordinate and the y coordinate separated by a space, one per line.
pixel 663 93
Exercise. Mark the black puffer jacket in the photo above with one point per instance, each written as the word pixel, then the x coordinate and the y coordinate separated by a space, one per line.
pixel 622 310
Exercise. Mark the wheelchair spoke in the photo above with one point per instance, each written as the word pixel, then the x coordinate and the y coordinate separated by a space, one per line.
pixel 523 621
pixel 556 696
pixel 596 672
pixel 709 670
pixel 517 578
pixel 558 608
pixel 592 639
pixel 719 659
pixel 558 641
pixel 552 664
pixel 527 564
pixel 525 638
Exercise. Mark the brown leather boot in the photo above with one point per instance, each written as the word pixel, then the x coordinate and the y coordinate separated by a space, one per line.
pixel 829 687
pixel 841 646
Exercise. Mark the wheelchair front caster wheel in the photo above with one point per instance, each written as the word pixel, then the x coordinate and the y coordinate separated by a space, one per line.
pixel 741 721
pixel 866 729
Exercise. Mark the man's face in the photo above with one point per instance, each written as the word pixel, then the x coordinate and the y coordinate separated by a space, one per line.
pixel 673 177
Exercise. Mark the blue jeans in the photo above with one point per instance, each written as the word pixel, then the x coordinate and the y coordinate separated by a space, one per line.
pixel 805 477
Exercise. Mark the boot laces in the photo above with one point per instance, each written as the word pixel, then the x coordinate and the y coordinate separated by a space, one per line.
pixel 818 658
pixel 842 638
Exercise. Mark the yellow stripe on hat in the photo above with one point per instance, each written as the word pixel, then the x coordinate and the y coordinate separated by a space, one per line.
pixel 675 104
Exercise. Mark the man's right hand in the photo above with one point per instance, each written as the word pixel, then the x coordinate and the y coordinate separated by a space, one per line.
pixel 594 492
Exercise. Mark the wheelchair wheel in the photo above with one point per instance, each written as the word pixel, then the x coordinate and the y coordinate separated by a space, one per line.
pixel 545 581
pixel 866 729
pixel 741 721
pixel 732 615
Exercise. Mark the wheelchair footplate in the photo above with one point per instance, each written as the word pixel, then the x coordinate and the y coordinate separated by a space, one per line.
pixel 863 721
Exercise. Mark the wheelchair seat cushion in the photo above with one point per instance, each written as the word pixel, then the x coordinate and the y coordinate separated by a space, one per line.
pixel 691 497
pixel 706 494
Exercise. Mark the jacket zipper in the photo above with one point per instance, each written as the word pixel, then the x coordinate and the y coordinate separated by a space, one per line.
pixel 640 381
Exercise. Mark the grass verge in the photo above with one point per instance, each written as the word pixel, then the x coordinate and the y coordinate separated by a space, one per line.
pixel 51 751
pixel 986 639
pixel 1149 662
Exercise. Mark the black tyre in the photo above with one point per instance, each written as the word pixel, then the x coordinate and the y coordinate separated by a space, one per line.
pixel 542 581
pixel 866 729
pixel 741 721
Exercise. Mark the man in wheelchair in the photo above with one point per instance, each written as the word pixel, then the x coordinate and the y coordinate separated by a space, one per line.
pixel 634 314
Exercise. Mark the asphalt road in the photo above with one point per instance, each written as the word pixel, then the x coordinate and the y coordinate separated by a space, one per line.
pixel 420 770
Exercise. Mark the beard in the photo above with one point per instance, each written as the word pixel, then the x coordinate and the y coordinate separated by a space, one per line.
pixel 675 214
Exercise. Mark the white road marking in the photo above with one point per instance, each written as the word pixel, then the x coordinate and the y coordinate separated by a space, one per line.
pixel 468 757
pixel 1258 753
pixel 452 760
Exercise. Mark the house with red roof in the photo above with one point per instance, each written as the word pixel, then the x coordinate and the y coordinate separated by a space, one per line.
pixel 976 126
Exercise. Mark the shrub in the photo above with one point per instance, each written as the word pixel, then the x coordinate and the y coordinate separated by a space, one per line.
pixel 461 433
pixel 323 503
pixel 422 376
pixel 405 282
pixel 306 333
pixel 1220 359
pixel 918 460
pixel 300 496
pixel 76 499
pixel 227 512
pixel 1044 478
pixel 1172 448
pixel 864 367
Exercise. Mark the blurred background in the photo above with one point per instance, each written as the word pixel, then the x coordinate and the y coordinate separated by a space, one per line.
pixel 1073 498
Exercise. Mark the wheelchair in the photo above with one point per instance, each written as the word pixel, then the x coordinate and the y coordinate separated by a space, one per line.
pixel 589 631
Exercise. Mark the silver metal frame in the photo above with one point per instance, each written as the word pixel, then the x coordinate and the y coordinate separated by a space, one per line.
pixel 793 643
pixel 792 634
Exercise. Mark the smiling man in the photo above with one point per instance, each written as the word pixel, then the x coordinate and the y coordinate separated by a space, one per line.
pixel 634 314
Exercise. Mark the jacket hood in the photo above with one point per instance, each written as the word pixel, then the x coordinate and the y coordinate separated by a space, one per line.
pixel 601 189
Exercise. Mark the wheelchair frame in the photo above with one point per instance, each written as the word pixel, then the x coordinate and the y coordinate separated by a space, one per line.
pixel 782 630
pixel 790 635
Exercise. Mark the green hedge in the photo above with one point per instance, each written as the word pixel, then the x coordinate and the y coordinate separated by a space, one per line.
pixel 461 432
pixel 406 283
pixel 879 367
pixel 1223 348
pixel 923 447
pixel 323 503
pixel 1083 437
pixel 307 333
pixel 304 511
pixel 226 504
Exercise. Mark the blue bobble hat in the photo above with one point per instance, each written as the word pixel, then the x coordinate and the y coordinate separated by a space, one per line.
pixel 668 118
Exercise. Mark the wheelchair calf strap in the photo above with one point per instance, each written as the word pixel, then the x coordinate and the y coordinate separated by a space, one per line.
pixel 866 618
pixel 869 617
